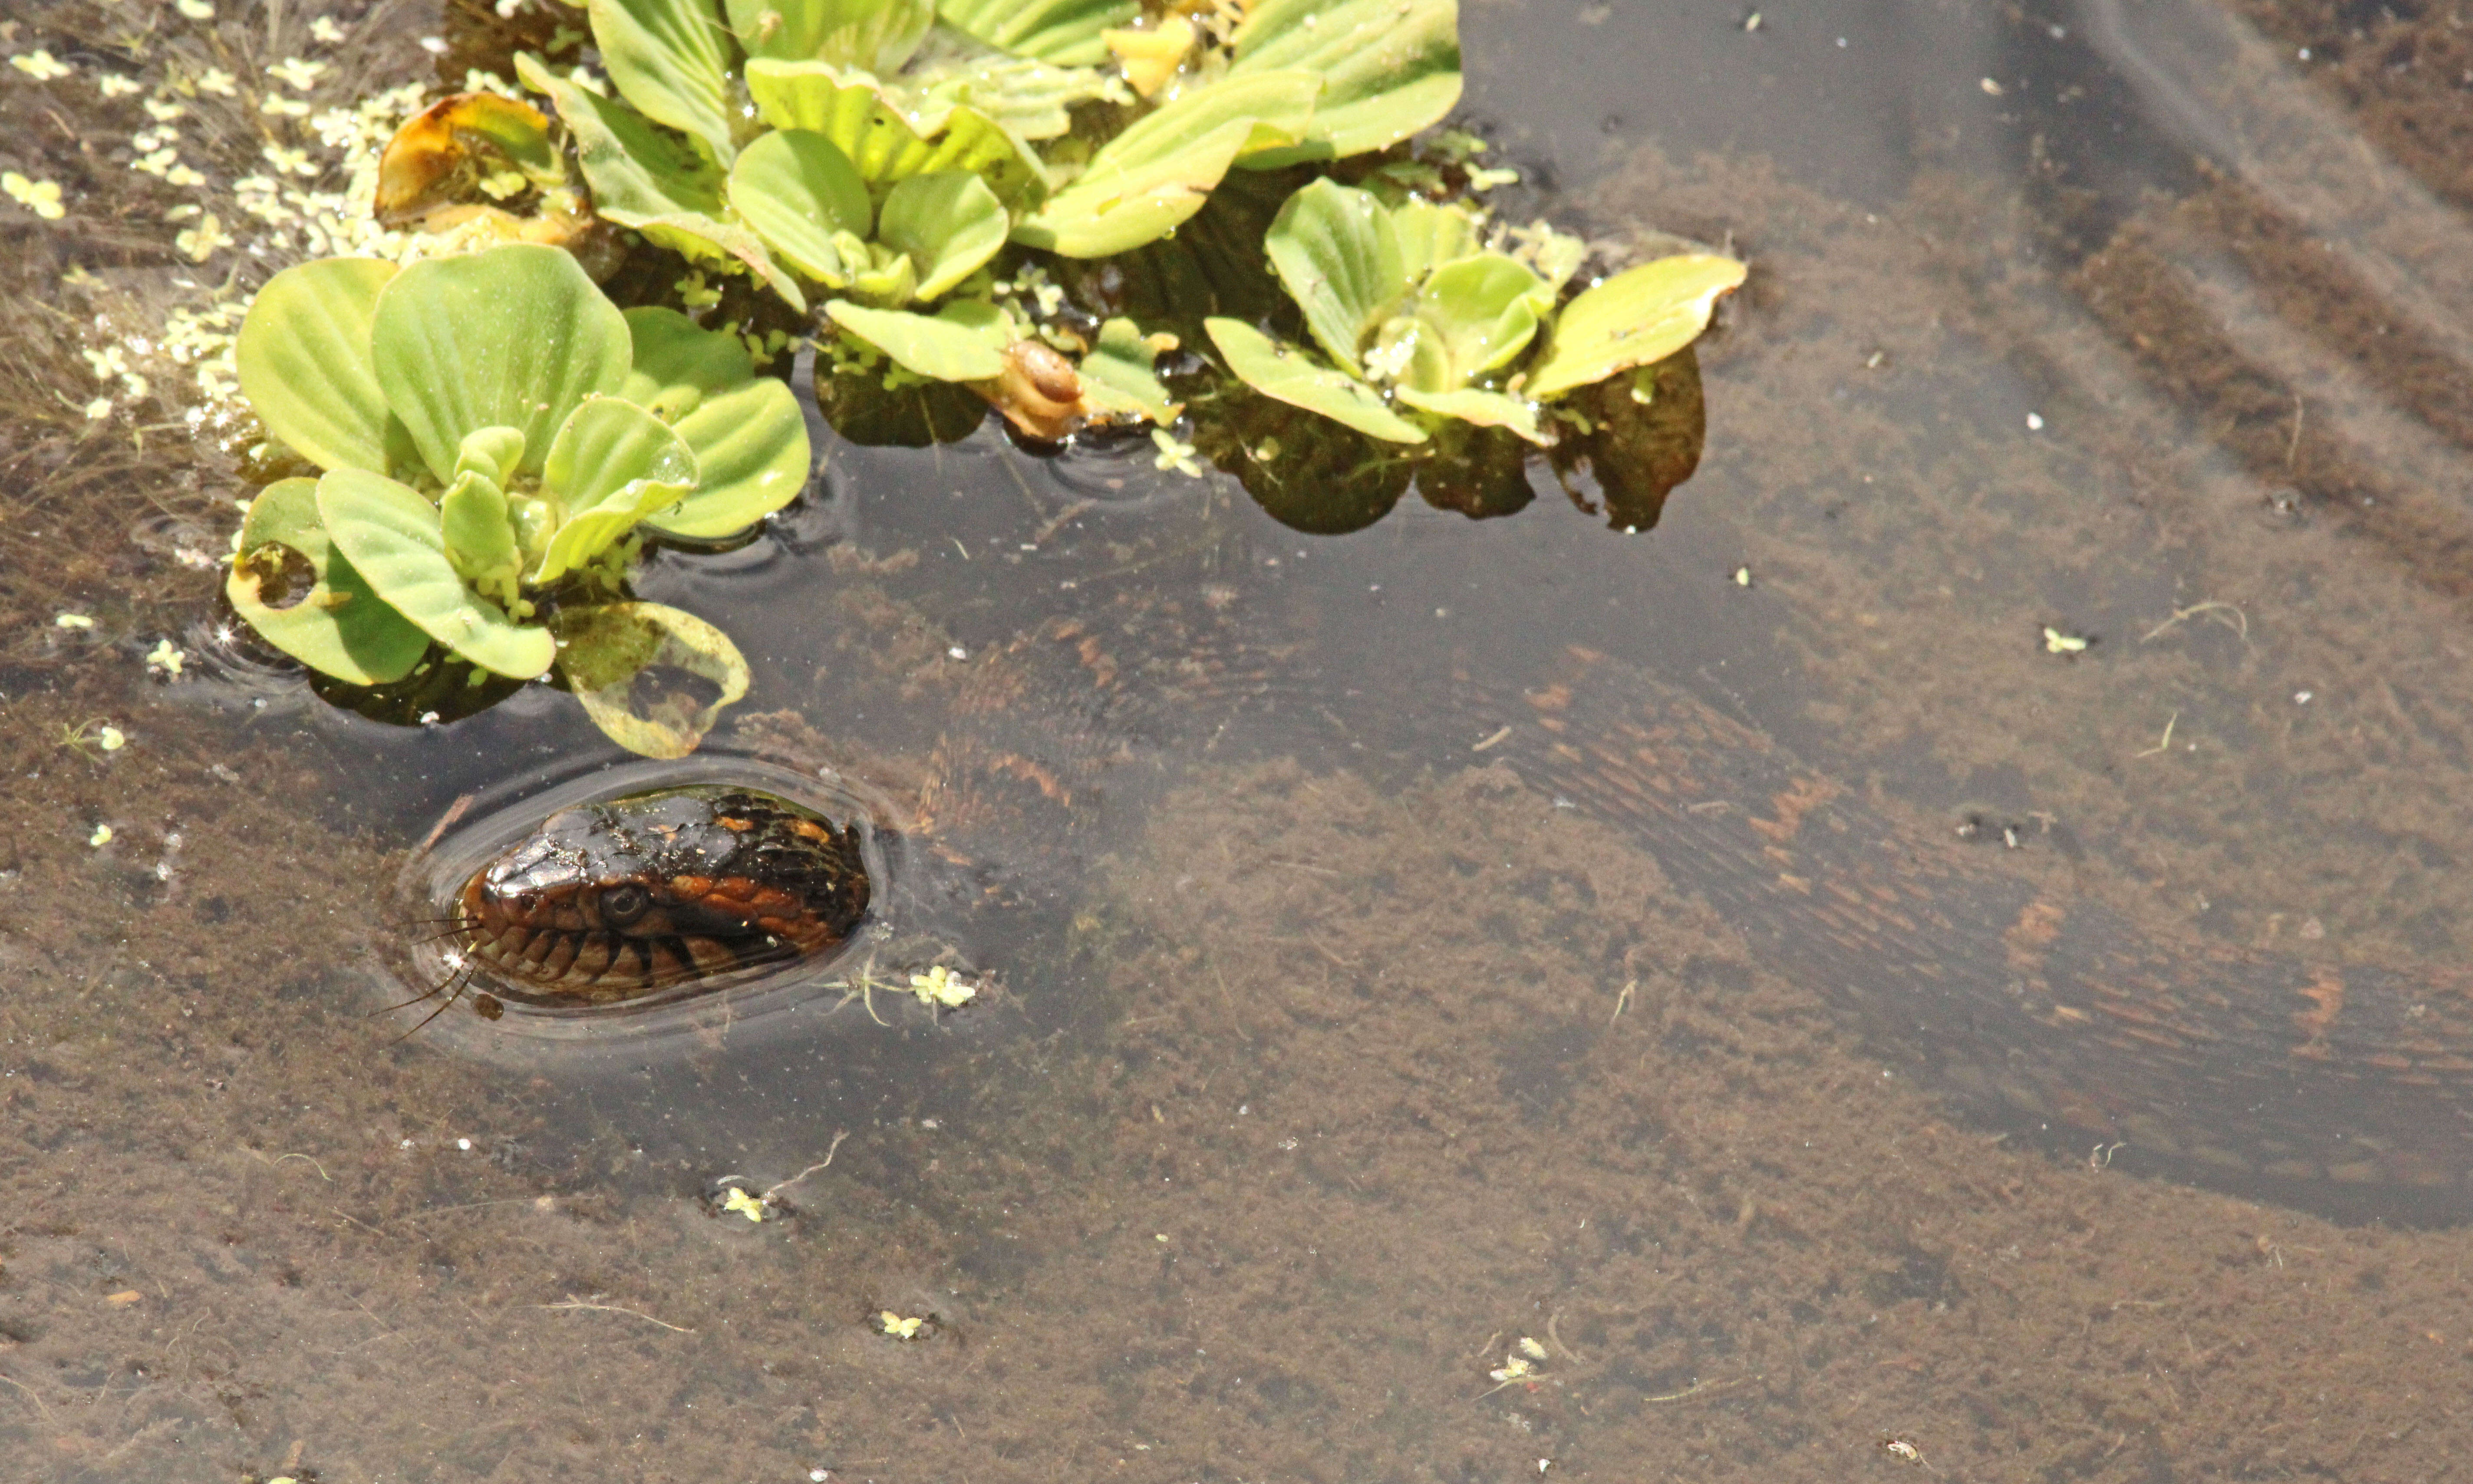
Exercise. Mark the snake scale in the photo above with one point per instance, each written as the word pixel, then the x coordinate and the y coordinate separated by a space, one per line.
pixel 2311 1079
pixel 2336 1085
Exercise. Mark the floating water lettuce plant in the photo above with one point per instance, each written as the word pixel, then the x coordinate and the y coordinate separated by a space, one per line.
pixel 496 436
pixel 1028 201
pixel 884 166
pixel 888 149
pixel 900 89
pixel 1416 311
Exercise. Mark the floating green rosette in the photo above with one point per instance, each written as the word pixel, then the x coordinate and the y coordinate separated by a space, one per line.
pixel 495 433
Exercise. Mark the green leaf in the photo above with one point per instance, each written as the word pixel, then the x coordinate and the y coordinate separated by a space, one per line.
pixel 752 458
pixel 1144 182
pixel 1390 68
pixel 1432 234
pixel 1641 314
pixel 1473 316
pixel 953 346
pixel 876 34
pixel 630 165
pixel 728 245
pixel 893 280
pixel 671 60
pixel 609 645
pixel 851 110
pixel 1485 409
pixel 798 191
pixel 1028 98
pixel 392 535
pixel 1344 258
pixel 534 520
pixel 513 336
pixel 1281 371
pixel 1555 256
pixel 747 433
pixel 1118 374
pixel 677 363
pixel 306 366
pixel 1339 256
pixel 949 222
pixel 655 184
pixel 493 453
pixel 339 626
pixel 613 465
pixel 1064 31
pixel 480 538
pixel 590 532
pixel 607 447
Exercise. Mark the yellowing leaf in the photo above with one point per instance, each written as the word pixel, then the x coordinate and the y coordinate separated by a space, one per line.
pixel 1145 182
pixel 1287 375
pixel 1151 56
pixel 440 154
pixel 608 646
pixel 1639 316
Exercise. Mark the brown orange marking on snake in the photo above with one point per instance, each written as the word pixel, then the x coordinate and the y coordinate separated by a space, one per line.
pixel 2327 995
pixel 1792 803
pixel 2037 928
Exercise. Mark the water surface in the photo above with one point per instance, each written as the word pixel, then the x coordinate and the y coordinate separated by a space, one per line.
pixel 1347 1034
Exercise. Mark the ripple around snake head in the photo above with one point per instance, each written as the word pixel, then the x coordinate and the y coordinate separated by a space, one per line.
pixel 491 1008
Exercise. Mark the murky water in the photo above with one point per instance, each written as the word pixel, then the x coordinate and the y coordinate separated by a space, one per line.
pixel 1813 1011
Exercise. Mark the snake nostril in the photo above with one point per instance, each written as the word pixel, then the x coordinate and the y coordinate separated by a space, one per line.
pixel 622 905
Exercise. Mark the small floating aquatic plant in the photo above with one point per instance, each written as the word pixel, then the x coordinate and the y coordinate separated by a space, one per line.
pixel 1031 201
pixel 497 439
pixel 1410 298
pixel 888 167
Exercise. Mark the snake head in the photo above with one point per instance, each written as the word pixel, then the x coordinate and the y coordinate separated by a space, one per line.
pixel 611 901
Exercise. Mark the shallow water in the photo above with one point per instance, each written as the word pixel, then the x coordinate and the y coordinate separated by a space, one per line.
pixel 1814 1012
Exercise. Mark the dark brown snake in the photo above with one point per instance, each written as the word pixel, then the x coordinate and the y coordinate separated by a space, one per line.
pixel 634 898
pixel 609 901
pixel 2289 1076
pixel 2284 1075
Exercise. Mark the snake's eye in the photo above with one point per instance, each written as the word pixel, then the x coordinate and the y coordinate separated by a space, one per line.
pixel 622 904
